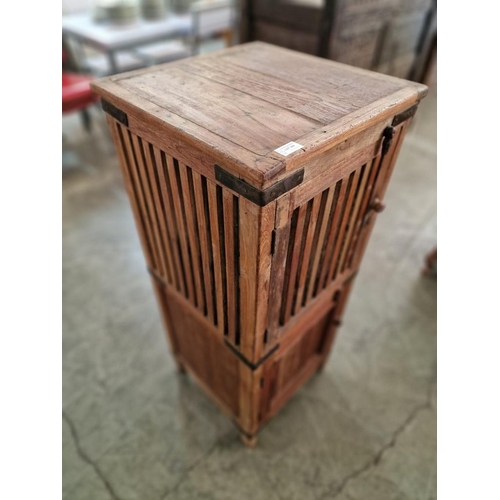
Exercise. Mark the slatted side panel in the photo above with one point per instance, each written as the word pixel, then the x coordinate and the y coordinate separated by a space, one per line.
pixel 323 238
pixel 189 227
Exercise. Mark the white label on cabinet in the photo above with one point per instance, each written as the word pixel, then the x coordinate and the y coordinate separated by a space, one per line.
pixel 288 148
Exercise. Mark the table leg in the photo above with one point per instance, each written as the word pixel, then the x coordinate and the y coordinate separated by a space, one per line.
pixel 112 62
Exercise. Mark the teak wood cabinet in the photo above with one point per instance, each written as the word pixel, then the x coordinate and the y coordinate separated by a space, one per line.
pixel 255 175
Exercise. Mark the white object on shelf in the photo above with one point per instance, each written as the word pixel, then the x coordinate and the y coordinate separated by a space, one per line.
pixel 125 61
pixel 211 18
pixel 163 52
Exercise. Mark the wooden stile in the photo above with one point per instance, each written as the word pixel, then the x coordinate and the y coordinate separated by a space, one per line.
pixel 254 204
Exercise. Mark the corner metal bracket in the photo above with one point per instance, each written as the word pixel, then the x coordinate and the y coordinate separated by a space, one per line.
pixel 115 112
pixel 252 366
pixel 405 115
pixel 260 198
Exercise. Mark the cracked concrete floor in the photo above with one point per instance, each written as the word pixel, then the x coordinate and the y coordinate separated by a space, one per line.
pixel 135 430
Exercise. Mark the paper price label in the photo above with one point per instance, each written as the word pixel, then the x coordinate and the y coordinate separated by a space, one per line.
pixel 288 148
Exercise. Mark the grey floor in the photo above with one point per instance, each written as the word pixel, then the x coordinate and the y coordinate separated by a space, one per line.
pixel 134 429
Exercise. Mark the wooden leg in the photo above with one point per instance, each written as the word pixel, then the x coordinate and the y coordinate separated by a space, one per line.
pixel 321 366
pixel 430 268
pixel 249 441
pixel 180 367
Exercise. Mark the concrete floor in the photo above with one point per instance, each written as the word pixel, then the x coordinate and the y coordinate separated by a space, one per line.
pixel 133 429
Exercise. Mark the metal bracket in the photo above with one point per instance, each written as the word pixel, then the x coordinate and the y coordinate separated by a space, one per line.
pixel 261 198
pixel 405 115
pixel 252 366
pixel 115 112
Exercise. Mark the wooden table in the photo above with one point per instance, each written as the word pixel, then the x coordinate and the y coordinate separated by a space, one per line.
pixel 111 39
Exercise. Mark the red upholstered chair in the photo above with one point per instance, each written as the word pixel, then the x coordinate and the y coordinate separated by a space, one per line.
pixel 76 94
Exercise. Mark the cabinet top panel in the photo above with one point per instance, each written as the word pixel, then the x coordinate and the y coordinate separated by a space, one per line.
pixel 262 109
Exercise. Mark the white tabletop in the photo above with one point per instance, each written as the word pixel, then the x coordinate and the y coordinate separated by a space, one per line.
pixel 115 37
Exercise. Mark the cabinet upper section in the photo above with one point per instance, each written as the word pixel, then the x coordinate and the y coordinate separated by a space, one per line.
pixel 260 110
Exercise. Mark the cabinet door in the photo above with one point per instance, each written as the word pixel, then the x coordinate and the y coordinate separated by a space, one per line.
pixel 292 366
pixel 321 244
pixel 377 188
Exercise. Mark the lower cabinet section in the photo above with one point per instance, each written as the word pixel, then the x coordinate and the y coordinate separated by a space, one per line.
pixel 291 367
pixel 199 349
pixel 250 393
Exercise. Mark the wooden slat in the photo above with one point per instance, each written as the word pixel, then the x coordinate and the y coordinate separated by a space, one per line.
pixel 181 226
pixel 365 172
pixel 117 132
pixel 249 218
pixel 131 154
pixel 343 224
pixel 216 252
pixel 264 260
pixel 293 264
pixel 150 207
pixel 255 265
pixel 320 243
pixel 171 222
pixel 375 165
pixel 279 262
pixel 189 210
pixel 232 286
pixel 337 210
pixel 205 234
pixel 153 169
pixel 308 240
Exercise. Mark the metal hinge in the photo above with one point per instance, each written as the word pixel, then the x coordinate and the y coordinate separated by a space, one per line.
pixel 273 241
pixel 387 135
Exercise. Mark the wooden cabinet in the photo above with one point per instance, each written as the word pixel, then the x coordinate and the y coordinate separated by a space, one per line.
pixel 255 175
pixel 388 36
